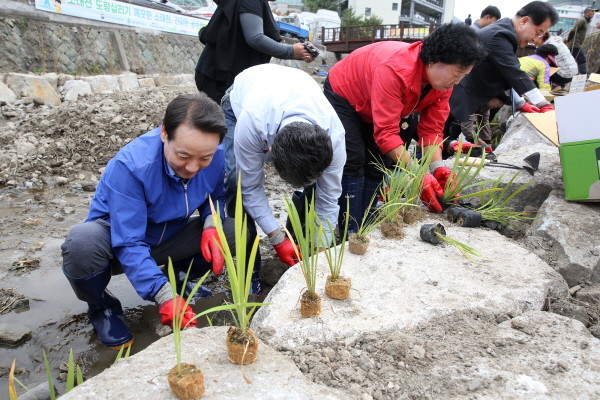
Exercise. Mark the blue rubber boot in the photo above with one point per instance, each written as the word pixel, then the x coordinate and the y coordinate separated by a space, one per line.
pixel 197 271
pixel 104 310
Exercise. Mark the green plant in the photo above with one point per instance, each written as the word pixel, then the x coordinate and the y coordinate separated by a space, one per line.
pixel 178 317
pixel 464 176
pixel 120 354
pixel 239 271
pixel 466 250
pixel 305 240
pixel 494 205
pixel 335 253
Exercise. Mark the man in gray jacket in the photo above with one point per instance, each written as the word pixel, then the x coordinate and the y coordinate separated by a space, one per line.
pixel 577 36
pixel 279 114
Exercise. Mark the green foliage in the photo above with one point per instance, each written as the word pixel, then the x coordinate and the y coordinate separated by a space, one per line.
pixel 372 219
pixel 494 205
pixel 335 253
pixel 465 250
pixel 51 389
pixel 120 354
pixel 239 271
pixel 349 18
pixel 314 5
pixel 464 178
pixel 178 317
pixel 305 238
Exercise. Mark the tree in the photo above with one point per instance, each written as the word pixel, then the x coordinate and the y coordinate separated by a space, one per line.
pixel 314 5
pixel 349 18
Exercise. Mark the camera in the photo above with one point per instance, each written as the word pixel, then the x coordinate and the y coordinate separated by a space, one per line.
pixel 311 49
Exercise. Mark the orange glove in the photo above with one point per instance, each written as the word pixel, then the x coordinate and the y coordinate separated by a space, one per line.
pixel 430 192
pixel 167 310
pixel 209 245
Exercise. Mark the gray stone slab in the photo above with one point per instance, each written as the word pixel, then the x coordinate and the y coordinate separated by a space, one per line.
pixel 144 375
pixel 400 284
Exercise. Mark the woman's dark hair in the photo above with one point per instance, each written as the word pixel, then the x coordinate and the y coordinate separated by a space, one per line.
pixel 455 44
pixel 196 110
pixel 539 12
pixel 301 152
pixel 546 50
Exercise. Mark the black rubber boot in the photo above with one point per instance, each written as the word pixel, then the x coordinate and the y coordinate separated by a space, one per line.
pixel 104 310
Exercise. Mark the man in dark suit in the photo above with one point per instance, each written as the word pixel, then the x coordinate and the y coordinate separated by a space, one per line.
pixel 487 83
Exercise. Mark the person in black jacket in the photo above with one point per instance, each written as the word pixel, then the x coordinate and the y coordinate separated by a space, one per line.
pixel 240 34
pixel 487 83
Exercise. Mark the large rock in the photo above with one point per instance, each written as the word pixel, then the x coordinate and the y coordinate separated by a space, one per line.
pixel 146 82
pixel 75 88
pixel 400 284
pixel 13 334
pixel 128 81
pixel 103 83
pixel 171 80
pixel 6 94
pixel 33 86
pixel 566 235
pixel 144 375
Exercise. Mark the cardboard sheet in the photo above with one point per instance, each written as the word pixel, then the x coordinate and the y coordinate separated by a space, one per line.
pixel 553 70
pixel 594 78
pixel 546 124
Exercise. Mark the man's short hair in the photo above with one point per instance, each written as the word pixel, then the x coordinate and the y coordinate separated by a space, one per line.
pixel 539 12
pixel 454 44
pixel 492 11
pixel 546 50
pixel 196 110
pixel 301 152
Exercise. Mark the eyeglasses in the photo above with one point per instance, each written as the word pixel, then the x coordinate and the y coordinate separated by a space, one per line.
pixel 537 32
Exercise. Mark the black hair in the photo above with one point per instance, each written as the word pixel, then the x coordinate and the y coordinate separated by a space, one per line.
pixel 492 11
pixel 196 110
pixel 301 152
pixel 539 12
pixel 546 50
pixel 454 44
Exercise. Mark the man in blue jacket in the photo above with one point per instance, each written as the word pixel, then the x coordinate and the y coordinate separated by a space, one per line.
pixel 141 214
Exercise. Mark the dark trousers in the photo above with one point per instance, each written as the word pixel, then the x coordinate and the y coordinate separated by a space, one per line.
pixel 579 55
pixel 213 88
pixel 87 249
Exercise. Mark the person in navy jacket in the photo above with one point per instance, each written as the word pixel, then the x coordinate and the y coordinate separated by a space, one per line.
pixel 141 214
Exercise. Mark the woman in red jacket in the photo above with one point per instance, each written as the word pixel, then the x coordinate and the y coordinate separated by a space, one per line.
pixel 387 93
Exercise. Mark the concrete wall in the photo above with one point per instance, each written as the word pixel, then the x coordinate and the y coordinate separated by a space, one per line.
pixel 31 45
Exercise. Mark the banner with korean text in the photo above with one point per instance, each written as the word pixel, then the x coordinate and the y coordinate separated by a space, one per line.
pixel 124 14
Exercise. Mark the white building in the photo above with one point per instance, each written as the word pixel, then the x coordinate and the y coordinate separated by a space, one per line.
pixel 414 12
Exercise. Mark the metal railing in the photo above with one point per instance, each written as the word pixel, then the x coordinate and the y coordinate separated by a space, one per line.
pixel 375 33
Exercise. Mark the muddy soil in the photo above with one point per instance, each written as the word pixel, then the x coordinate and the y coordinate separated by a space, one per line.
pixel 51 161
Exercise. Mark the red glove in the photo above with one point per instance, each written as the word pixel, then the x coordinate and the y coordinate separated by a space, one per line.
pixel 209 245
pixel 546 108
pixel 489 149
pixel 430 192
pixel 168 308
pixel 286 252
pixel 530 108
pixel 442 174
pixel 464 146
